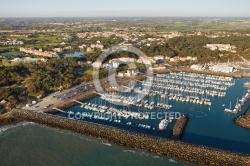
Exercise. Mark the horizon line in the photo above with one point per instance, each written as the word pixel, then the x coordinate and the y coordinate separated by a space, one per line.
pixel 125 17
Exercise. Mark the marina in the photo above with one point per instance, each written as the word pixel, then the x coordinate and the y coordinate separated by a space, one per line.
pixel 203 104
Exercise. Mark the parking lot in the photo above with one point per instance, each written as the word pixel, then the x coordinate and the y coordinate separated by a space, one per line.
pixel 69 94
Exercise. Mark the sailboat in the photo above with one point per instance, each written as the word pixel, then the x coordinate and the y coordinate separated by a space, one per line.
pixel 229 110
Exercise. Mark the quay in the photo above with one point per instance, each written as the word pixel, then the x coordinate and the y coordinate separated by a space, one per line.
pixel 188 70
pixel 172 149
pixel 87 95
pixel 179 127
pixel 71 103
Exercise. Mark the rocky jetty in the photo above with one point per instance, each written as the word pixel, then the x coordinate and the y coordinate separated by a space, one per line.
pixel 179 127
pixel 169 148
pixel 7 118
pixel 244 120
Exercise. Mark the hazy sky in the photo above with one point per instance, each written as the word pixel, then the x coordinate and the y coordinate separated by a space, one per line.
pixel 118 8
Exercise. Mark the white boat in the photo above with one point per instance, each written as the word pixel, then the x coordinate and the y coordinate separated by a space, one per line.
pixel 163 124
pixel 229 110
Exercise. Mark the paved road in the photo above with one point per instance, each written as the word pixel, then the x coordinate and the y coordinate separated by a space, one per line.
pixel 70 94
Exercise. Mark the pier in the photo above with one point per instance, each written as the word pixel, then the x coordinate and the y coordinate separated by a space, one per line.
pixel 57 109
pixel 78 102
pixel 172 149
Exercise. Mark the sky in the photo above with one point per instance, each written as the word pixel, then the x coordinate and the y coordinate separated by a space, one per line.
pixel 125 8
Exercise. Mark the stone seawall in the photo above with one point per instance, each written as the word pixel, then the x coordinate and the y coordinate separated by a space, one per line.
pixel 7 118
pixel 179 127
pixel 171 149
pixel 244 120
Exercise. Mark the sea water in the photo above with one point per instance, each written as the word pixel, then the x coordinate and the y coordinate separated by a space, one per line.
pixel 31 144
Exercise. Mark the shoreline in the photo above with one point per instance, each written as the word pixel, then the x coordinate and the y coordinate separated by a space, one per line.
pixel 169 148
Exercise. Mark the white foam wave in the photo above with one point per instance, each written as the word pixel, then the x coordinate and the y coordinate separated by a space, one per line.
pixel 130 151
pixel 7 127
pixel 172 161
pixel 107 144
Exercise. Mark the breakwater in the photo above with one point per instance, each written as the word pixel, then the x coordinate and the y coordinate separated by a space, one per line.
pixel 7 118
pixel 171 149
pixel 179 127
pixel 244 120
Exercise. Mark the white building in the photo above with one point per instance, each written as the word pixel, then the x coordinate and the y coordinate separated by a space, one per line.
pixel 197 67
pixel 222 68
pixel 221 47
pixel 159 57
pixel 59 50
pixel 97 64
pixel 128 73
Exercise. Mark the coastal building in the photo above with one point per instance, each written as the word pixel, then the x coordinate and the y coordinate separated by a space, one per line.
pixel 39 52
pixel 146 60
pixel 159 57
pixel 100 46
pixel 97 64
pixel 222 68
pixel 59 50
pixel 182 59
pixel 221 47
pixel 197 67
pixel 128 73
pixel 174 59
pixel 28 59
pixel 89 49
pixel 82 47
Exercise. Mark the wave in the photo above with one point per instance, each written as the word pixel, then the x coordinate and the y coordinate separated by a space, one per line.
pixel 156 157
pixel 107 144
pixel 7 127
pixel 172 161
pixel 144 154
pixel 130 151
